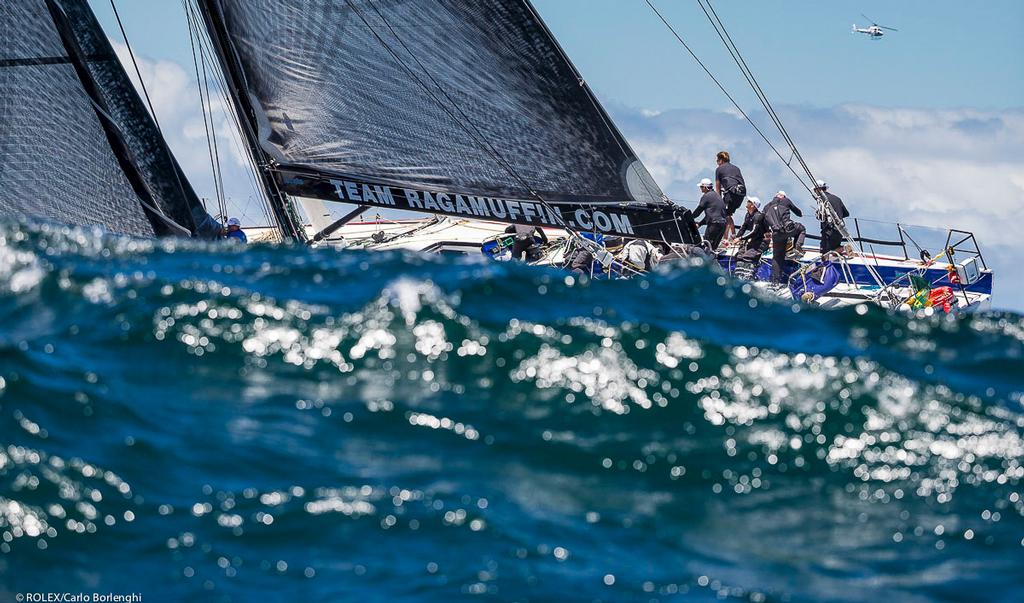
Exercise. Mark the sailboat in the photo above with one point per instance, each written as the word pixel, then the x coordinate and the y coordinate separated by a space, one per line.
pixel 465 110
pixel 77 144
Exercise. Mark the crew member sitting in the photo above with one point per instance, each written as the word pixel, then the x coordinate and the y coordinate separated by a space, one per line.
pixel 753 234
pixel 831 236
pixel 713 208
pixel 777 217
pixel 234 231
pixel 524 247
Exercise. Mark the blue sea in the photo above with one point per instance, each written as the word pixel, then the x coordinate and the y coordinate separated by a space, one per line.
pixel 206 422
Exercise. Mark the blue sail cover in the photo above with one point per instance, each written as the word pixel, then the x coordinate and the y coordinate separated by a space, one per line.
pixel 460 96
pixel 77 145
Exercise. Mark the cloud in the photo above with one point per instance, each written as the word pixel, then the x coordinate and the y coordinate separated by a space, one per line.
pixel 175 97
pixel 961 168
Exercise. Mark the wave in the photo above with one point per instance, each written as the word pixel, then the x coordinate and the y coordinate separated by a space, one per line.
pixel 190 419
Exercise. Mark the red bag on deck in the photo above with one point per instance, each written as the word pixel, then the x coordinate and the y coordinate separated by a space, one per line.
pixel 941 297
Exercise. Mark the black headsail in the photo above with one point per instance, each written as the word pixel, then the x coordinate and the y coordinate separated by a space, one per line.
pixel 461 107
pixel 76 142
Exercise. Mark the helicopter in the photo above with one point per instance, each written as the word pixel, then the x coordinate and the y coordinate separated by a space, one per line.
pixel 875 31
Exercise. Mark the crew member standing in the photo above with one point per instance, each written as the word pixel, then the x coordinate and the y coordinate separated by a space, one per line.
pixel 730 185
pixel 713 208
pixel 777 217
pixel 831 237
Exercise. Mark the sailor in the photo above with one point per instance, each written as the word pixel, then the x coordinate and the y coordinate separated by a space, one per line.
pixel 777 217
pixel 713 208
pixel 831 237
pixel 234 231
pixel 730 185
pixel 639 255
pixel 524 247
pixel 753 234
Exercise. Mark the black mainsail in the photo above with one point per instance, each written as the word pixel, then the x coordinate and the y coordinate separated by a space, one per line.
pixel 460 107
pixel 77 144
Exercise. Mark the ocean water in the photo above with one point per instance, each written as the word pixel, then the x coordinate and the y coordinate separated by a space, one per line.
pixel 210 423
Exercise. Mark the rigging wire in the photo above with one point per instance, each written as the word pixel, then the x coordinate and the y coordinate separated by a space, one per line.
pixel 748 74
pixel 203 104
pixel 824 208
pixel 208 106
pixel 726 39
pixel 221 86
pixel 218 172
pixel 721 87
pixel 135 64
pixel 229 110
pixel 152 111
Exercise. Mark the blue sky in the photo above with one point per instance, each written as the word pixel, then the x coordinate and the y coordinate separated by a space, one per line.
pixel 945 54
pixel 925 126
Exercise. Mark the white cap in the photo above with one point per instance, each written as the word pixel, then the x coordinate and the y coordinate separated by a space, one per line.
pixel 780 194
pixel 755 201
pixel 822 184
pixel 234 222
pixel 706 183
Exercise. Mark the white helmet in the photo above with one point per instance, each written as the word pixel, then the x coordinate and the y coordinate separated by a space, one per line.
pixel 822 184
pixel 706 183
pixel 234 222
pixel 780 194
pixel 755 201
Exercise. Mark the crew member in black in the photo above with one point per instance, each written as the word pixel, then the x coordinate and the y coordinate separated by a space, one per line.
pixel 753 233
pixel 525 247
pixel 730 185
pixel 831 237
pixel 713 208
pixel 777 217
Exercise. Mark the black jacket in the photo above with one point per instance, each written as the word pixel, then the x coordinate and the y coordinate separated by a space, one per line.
pixel 837 205
pixel 777 213
pixel 754 223
pixel 713 208
pixel 728 176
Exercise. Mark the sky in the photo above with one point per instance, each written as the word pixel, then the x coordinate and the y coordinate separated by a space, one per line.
pixel 925 126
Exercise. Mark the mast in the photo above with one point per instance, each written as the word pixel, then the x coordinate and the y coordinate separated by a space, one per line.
pixel 279 205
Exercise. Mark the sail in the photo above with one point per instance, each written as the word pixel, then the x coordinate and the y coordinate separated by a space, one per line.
pixel 462 107
pixel 77 144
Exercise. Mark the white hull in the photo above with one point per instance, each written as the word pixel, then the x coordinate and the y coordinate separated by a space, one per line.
pixel 464 236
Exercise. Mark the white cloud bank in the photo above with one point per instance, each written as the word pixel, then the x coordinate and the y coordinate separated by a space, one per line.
pixel 939 168
pixel 959 168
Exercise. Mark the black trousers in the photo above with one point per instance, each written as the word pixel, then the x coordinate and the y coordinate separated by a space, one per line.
pixel 780 240
pixel 732 202
pixel 714 233
pixel 750 254
pixel 799 233
pixel 831 239
pixel 522 249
